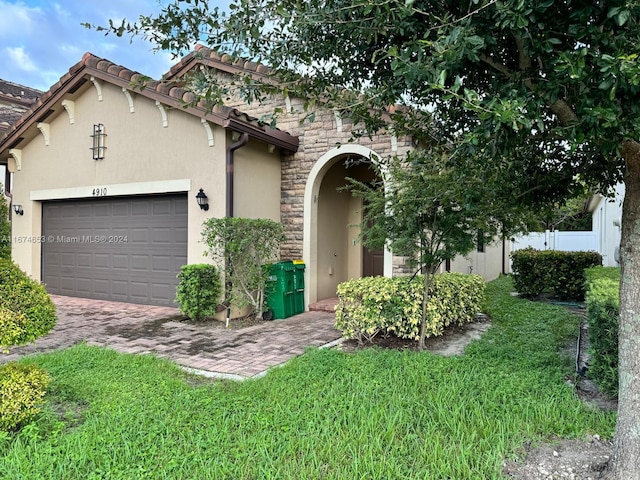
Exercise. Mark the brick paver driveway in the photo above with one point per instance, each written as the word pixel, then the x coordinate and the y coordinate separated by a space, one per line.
pixel 212 350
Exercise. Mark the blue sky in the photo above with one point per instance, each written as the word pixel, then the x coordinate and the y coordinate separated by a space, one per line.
pixel 40 40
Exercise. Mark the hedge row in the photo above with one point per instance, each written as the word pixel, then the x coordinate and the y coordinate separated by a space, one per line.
pixel 372 305
pixel 603 306
pixel 560 274
pixel 26 310
pixel 26 313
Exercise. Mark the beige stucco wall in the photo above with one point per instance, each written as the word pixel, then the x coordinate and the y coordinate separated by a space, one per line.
pixel 333 214
pixel 354 246
pixel 487 264
pixel 257 182
pixel 142 157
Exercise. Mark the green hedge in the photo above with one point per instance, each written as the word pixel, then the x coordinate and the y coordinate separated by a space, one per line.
pixel 25 306
pixel 199 290
pixel 560 274
pixel 612 273
pixel 5 227
pixel 372 305
pixel 603 306
pixel 22 388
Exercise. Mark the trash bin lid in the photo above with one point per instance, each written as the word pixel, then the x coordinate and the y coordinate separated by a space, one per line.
pixel 282 266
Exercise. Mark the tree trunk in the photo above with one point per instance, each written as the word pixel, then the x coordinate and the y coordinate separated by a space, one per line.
pixel 428 279
pixel 625 463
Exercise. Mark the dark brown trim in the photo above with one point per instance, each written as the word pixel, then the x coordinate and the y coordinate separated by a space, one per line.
pixel 244 139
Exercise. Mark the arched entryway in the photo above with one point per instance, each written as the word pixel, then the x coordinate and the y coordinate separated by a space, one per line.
pixel 330 248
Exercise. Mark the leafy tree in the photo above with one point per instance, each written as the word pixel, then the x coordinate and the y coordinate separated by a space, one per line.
pixel 5 227
pixel 244 246
pixel 571 216
pixel 541 92
pixel 429 213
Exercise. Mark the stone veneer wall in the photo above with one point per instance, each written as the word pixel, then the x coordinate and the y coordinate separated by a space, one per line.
pixel 324 133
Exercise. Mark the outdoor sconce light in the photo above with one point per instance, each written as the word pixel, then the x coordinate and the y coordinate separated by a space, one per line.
pixel 203 201
pixel 98 137
pixel 18 209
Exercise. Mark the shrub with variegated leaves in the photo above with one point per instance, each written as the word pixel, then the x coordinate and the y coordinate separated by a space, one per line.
pixel 380 305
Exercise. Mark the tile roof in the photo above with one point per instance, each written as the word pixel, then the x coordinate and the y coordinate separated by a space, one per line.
pixel 204 55
pixel 9 116
pixel 167 92
pixel 15 100
pixel 19 94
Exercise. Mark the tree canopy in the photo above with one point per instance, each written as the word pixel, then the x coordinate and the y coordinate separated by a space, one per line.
pixel 543 93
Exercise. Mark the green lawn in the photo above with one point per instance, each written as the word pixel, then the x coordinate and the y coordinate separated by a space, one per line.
pixel 371 415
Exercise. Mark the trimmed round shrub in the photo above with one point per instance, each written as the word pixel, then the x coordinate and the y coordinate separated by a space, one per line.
pixel 34 314
pixel 22 389
pixel 199 289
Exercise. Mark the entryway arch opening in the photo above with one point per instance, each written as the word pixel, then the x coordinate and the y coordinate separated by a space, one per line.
pixel 331 249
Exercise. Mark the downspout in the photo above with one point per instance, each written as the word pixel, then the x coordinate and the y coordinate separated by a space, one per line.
pixel 244 139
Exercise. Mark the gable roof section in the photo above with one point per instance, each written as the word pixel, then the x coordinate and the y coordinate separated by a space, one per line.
pixel 202 55
pixel 174 96
pixel 205 56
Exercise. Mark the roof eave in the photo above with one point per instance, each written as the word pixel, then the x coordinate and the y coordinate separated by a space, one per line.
pixel 84 72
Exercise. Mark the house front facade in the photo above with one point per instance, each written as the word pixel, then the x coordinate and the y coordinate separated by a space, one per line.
pixel 106 177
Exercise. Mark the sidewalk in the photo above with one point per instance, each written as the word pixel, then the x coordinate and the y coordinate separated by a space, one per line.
pixel 208 350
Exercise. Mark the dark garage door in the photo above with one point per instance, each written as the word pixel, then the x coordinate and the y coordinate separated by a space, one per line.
pixel 127 249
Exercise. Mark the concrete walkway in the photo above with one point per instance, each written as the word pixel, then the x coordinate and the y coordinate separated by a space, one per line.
pixel 205 349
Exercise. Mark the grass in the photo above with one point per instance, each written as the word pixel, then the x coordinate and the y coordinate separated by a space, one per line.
pixel 370 415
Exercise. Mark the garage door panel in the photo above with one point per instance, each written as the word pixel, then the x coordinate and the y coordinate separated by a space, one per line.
pixel 128 249
pixel 121 261
pixel 162 235
pixel 84 260
pixel 140 208
pixel 162 208
pixel 140 235
pixel 85 285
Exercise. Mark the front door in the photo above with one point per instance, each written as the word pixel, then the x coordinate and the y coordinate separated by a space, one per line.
pixel 372 262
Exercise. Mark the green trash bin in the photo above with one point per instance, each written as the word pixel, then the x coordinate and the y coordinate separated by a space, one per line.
pixel 280 291
pixel 298 286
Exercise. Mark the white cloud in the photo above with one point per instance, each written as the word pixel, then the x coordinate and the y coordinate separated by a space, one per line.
pixel 17 18
pixel 20 59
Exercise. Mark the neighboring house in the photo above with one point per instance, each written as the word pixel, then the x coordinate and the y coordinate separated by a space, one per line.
pixel 607 221
pixel 107 176
pixel 15 100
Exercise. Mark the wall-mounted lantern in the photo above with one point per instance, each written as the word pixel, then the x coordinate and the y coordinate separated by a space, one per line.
pixel 18 209
pixel 98 148
pixel 203 201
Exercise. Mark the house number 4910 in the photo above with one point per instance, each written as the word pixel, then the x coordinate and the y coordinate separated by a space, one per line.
pixel 99 191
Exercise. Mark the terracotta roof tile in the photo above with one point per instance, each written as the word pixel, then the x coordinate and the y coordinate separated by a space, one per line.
pixel 163 91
